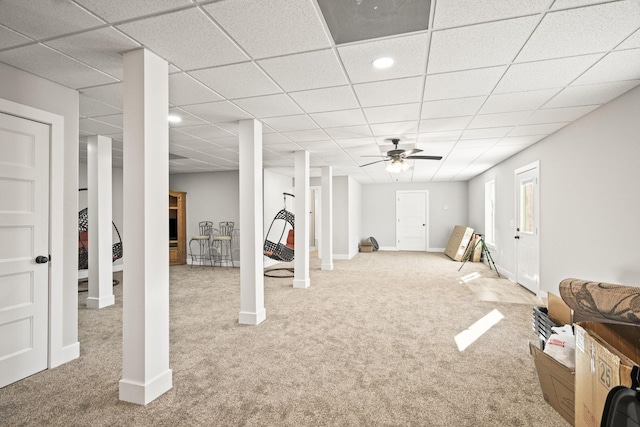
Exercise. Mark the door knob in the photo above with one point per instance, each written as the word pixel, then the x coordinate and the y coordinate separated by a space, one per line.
pixel 516 237
pixel 42 259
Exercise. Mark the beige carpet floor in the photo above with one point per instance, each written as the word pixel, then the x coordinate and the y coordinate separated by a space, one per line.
pixel 370 343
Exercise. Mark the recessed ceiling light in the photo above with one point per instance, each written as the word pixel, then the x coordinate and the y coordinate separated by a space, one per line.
pixel 384 62
pixel 174 119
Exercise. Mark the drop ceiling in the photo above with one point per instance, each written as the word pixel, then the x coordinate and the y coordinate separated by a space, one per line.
pixel 479 82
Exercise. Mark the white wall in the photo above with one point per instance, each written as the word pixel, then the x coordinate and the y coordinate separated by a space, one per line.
pixel 589 203
pixel 211 196
pixel 448 207
pixel 116 209
pixel 27 89
pixel 355 216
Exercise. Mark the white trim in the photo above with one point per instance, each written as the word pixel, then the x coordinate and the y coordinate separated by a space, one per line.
pixel 57 351
pixel 531 166
pixel 436 249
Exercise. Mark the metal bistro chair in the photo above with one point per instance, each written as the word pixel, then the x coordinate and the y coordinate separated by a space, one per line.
pixel 222 243
pixel 202 244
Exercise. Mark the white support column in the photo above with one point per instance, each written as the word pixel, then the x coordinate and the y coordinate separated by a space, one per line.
pixel 100 213
pixel 252 311
pixel 301 190
pixel 327 218
pixel 145 341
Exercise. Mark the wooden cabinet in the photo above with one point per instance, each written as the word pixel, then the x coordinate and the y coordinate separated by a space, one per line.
pixel 177 227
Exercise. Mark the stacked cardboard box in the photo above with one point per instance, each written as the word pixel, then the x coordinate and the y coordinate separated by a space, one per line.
pixel 366 246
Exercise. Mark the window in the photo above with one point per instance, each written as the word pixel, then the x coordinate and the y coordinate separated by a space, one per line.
pixel 490 212
pixel 526 207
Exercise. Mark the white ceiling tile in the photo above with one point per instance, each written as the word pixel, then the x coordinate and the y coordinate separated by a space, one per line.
pixel 453 13
pixel 408 52
pixel 269 106
pixel 435 146
pixel 554 73
pixel 101 49
pixel 616 66
pixel 45 18
pixel 339 118
pixel 451 123
pixel 543 129
pixel 562 4
pixel 95 127
pixel 225 81
pixel 283 148
pixel 176 136
pixel 591 94
pixel 51 65
pixel 461 84
pixel 632 42
pixel 499 119
pixel 554 115
pixel 214 112
pixel 10 38
pixel 186 38
pixel 110 94
pixel 274 138
pixel 307 135
pixel 498 132
pixel 477 46
pixel 520 140
pixel 395 113
pixel 517 101
pixel 397 128
pixel 229 142
pixel 476 143
pixel 291 123
pixel 581 31
pixel 90 107
pixel 118 10
pixel 114 120
pixel 389 92
pixel 265 29
pixel 328 99
pixel 320 147
pixel 204 131
pixel 451 107
pixel 346 132
pixel 428 137
pixel 312 70
pixel 357 143
pixel 185 90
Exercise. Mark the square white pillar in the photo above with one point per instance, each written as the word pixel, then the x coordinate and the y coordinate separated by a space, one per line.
pixel 301 191
pixel 326 181
pixel 145 350
pixel 252 311
pixel 100 213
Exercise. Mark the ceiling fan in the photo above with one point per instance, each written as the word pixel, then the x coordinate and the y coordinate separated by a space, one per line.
pixel 398 156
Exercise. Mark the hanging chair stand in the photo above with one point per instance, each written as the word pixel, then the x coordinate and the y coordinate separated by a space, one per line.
pixel 273 246
pixel 83 249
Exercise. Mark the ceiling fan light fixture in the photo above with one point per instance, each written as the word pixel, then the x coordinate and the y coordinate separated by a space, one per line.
pixel 397 166
pixel 383 62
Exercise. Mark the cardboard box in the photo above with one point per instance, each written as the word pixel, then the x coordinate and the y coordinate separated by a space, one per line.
pixel 557 383
pixel 458 242
pixel 605 354
pixel 366 246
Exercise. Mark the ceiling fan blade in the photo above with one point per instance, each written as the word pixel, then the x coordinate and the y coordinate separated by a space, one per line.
pixel 379 156
pixel 408 153
pixel 377 161
pixel 424 157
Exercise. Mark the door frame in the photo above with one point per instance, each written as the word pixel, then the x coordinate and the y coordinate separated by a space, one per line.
pixel 426 216
pixel 531 166
pixel 58 353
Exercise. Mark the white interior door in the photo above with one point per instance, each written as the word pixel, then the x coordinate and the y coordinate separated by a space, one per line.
pixel 24 233
pixel 411 225
pixel 527 231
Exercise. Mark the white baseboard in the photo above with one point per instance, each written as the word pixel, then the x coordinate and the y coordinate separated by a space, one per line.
pixel 436 249
pixel 388 248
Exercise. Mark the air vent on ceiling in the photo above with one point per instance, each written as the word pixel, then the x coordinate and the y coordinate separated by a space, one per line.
pixel 355 20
